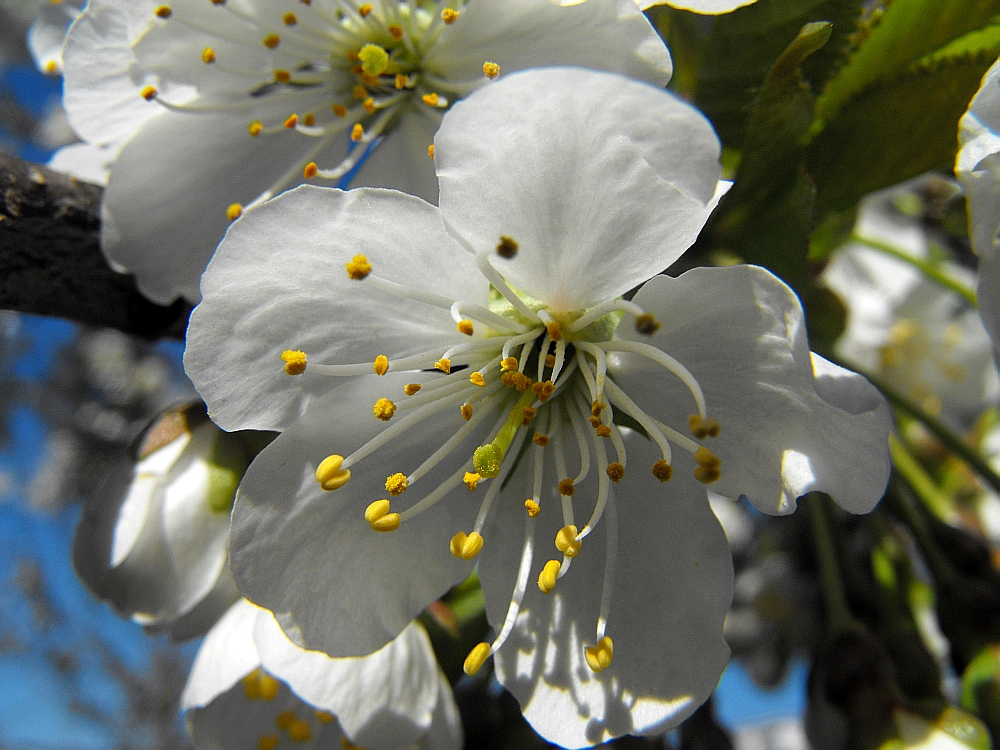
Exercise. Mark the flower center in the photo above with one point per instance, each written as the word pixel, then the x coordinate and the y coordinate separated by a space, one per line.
pixel 538 382
pixel 349 71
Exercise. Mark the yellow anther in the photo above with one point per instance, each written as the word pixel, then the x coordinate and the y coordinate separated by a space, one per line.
pixel 449 15
pixel 507 247
pixel 431 100
pixel 402 81
pixel 703 428
pixel 388 522
pixel 471 479
pixel 208 55
pixel 218 2
pixel 358 267
pixel 566 541
pixel 594 421
pixel 284 719
pixel 444 365
pixel 555 331
pixel 596 408
pixel 309 120
pixel 616 472
pixel 528 413
pixel 466 410
pixel 549 575
pixel 295 361
pixel 359 92
pixel 292 121
pixel 234 211
pixel 369 105
pixel 163 11
pixel 517 380
pixel 289 19
pixel 374 59
pixel 646 324
pixel 148 93
pixel 268 742
pixel 299 731
pixel 340 110
pixel 364 10
pixel 705 457
pixel 255 128
pixel 251 686
pixel 707 474
pixel 271 41
pixel 430 151
pixel 550 360
pixel 357 132
pixel 508 364
pixel 544 390
pixel 532 507
pixel 396 31
pixel 465 326
pixel 51 67
pixel 324 717
pixel 378 509
pixel 396 484
pixel 384 409
pixel 476 378
pixel 566 488
pixel 310 171
pixel 410 388
pixel 466 546
pixel 662 470
pixel 330 475
pixel 476 658
pixel 345 743
pixel 491 70
pixel 540 439
pixel 381 366
pixel 603 431
pixel 268 687
pixel 282 76
pixel 599 657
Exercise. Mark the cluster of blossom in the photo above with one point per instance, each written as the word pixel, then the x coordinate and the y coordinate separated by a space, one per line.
pixel 471 358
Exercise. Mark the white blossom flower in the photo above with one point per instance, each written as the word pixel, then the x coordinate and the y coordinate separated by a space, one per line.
pixel 978 170
pixel 250 687
pixel 705 7
pixel 153 541
pixel 221 104
pixel 918 336
pixel 482 358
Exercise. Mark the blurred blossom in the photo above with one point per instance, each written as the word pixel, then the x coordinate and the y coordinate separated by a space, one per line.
pixel 913 333
pixel 978 169
pixel 251 687
pixel 221 105
pixel 153 540
pixel 478 360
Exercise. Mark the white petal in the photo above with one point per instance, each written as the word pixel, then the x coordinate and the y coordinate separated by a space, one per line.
pixel 47 32
pixel 707 7
pixel 988 295
pixel 171 186
pixel 790 423
pixel 309 555
pixel 520 34
pixel 382 701
pixel 85 161
pixel 672 587
pixel 977 167
pixel 279 282
pixel 445 731
pixel 227 654
pixel 602 181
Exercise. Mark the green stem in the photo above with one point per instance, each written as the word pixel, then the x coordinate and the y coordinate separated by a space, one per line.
pixel 838 615
pixel 918 478
pixel 954 443
pixel 903 504
pixel 928 269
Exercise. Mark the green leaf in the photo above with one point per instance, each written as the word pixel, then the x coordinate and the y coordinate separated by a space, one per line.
pixel 895 129
pixel 908 31
pixel 767 217
pixel 984 41
pixel 742 46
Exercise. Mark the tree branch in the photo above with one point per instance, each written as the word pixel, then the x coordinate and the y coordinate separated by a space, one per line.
pixel 51 261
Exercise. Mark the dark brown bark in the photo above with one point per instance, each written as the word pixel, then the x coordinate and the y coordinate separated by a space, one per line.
pixel 51 261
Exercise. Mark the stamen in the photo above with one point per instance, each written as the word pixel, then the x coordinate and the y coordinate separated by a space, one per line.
pixel 523 573
pixel 471 480
pixel 330 474
pixel 476 658
pixel 549 575
pixel 616 472
pixel 466 411
pixel 379 518
pixel 449 15
pixel 703 428
pixel 480 313
pixel 646 324
pixel 255 128
pixel 513 341
pixel 476 378
pixel 381 366
pixel 567 542
pixel 295 361
pixel 148 93
pixel 599 657
pixel 444 365
pixel 358 267
pixel 708 469
pixel 396 484
pixel 662 470
pixel 208 55
pixel 507 247
pixel 466 546
pixel 532 507
pixel 357 132
pixel 465 326
pixel 163 11
pixel 431 499
pixel 491 70
pixel 551 325
pixel 601 310
pixel 271 41
pixel 493 276
pixel 384 409
pixel 410 388
pixel 664 360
